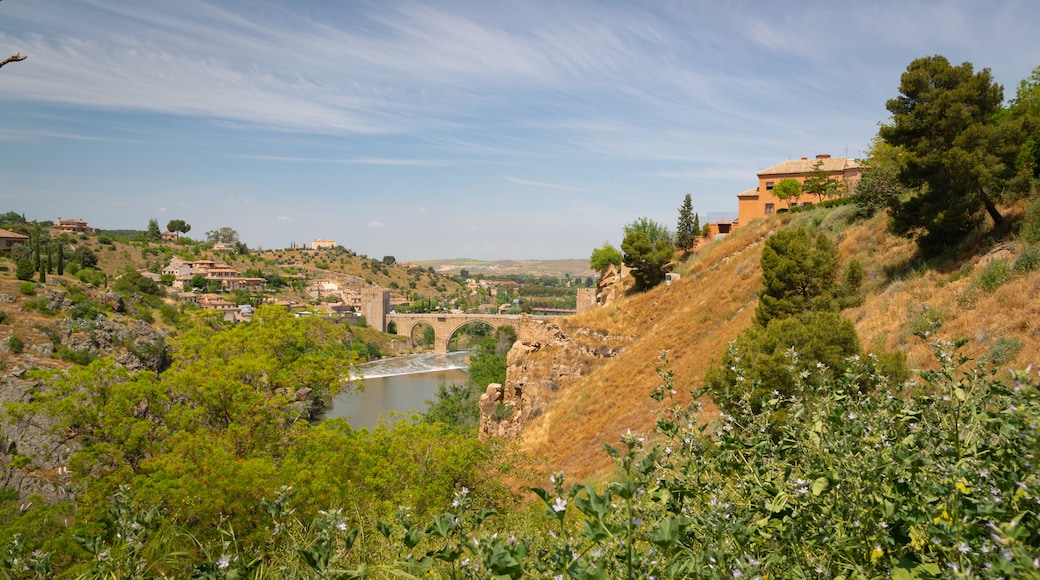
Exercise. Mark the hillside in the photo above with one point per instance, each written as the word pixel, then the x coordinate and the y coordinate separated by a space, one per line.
pixel 693 320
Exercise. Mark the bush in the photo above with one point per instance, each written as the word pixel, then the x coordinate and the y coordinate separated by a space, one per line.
pixel 1004 350
pixel 27 288
pixel 996 274
pixel 81 356
pixel 1028 259
pixel 15 344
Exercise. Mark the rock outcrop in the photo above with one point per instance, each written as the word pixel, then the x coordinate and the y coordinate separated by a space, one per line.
pixel 542 360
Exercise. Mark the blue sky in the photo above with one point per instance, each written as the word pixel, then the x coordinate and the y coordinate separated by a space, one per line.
pixel 482 129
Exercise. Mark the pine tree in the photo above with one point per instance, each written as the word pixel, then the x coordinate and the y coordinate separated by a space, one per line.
pixel 687 229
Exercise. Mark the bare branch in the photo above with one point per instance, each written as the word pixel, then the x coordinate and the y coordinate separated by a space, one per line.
pixel 14 58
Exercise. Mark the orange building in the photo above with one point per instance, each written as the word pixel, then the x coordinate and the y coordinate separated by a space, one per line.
pixel 760 201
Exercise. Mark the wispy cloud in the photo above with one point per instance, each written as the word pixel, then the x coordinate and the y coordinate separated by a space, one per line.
pixel 542 184
pixel 375 224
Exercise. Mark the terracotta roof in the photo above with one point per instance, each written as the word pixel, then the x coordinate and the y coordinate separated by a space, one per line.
pixel 801 166
pixel 753 192
pixel 9 234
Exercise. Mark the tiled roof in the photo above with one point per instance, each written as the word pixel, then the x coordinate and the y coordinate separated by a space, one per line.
pixel 801 166
pixel 9 234
pixel 753 192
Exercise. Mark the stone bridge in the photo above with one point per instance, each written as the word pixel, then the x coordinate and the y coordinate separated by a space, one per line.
pixel 445 325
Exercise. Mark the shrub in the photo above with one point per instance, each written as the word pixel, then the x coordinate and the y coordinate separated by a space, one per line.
pixel 996 274
pixel 15 344
pixel 1028 259
pixel 1004 350
pixel 27 288
pixel 82 356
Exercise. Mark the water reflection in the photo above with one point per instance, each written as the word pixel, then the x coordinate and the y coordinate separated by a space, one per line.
pixel 399 384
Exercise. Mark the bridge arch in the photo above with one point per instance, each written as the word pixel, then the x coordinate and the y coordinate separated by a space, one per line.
pixel 445 325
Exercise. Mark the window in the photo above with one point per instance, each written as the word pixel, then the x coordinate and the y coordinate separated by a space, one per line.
pixel 769 208
pixel 769 186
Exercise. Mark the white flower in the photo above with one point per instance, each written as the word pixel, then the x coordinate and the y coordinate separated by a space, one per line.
pixel 224 562
pixel 559 505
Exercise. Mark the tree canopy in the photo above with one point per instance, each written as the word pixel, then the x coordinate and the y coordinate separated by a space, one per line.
pixel 178 225
pixel 603 256
pixel 647 258
pixel 961 153
pixel 224 235
pixel 688 228
pixel 788 189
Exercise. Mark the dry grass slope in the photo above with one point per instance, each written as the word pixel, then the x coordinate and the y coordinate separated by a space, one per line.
pixel 695 318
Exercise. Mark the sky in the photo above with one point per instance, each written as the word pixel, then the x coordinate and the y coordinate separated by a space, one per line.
pixel 480 129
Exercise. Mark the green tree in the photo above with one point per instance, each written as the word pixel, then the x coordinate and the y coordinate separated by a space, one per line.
pixel 85 257
pixel 819 183
pixel 961 159
pixel 880 187
pixel 648 259
pixel 654 231
pixel 789 190
pixel 687 230
pixel 24 269
pixel 604 256
pixel 198 281
pixel 798 275
pixel 1026 107
pixel 224 235
pixel 178 225
pixel 153 234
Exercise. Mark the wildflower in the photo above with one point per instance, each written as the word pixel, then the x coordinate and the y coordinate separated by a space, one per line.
pixel 224 562
pixel 559 505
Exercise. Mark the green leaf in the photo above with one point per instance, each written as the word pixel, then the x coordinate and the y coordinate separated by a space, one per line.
pixel 820 485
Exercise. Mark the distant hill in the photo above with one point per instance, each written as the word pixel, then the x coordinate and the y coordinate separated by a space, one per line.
pixel 560 268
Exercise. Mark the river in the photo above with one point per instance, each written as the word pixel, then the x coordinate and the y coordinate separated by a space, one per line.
pixel 399 384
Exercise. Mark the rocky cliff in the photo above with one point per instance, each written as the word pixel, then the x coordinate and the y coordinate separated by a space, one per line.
pixel 543 360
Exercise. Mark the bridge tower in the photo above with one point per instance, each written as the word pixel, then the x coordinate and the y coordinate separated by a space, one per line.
pixel 375 304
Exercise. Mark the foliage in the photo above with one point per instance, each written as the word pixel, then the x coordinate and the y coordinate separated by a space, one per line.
pixel 855 482
pixel 24 269
pixel 1028 259
pixel 85 257
pixel 819 183
pixel 603 256
pixel 880 187
pixel 994 275
pixel 686 231
pixel 798 275
pixel 457 405
pixel 789 190
pixel 961 157
pixel 178 225
pixel 648 259
pixel 27 288
pixel 224 235
pixel 654 231
pixel 153 233
pixel 15 344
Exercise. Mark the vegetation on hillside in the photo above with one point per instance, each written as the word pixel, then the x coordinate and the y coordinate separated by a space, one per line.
pixel 806 451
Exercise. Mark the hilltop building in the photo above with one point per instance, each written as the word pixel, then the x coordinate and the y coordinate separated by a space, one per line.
pixel 760 201
pixel 228 278
pixel 323 244
pixel 74 226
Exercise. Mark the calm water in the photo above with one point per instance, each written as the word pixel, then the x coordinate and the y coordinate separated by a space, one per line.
pixel 400 384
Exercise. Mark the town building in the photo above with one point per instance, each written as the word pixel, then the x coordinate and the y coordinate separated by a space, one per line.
pixel 760 202
pixel 74 226
pixel 323 244
pixel 228 278
pixel 9 239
